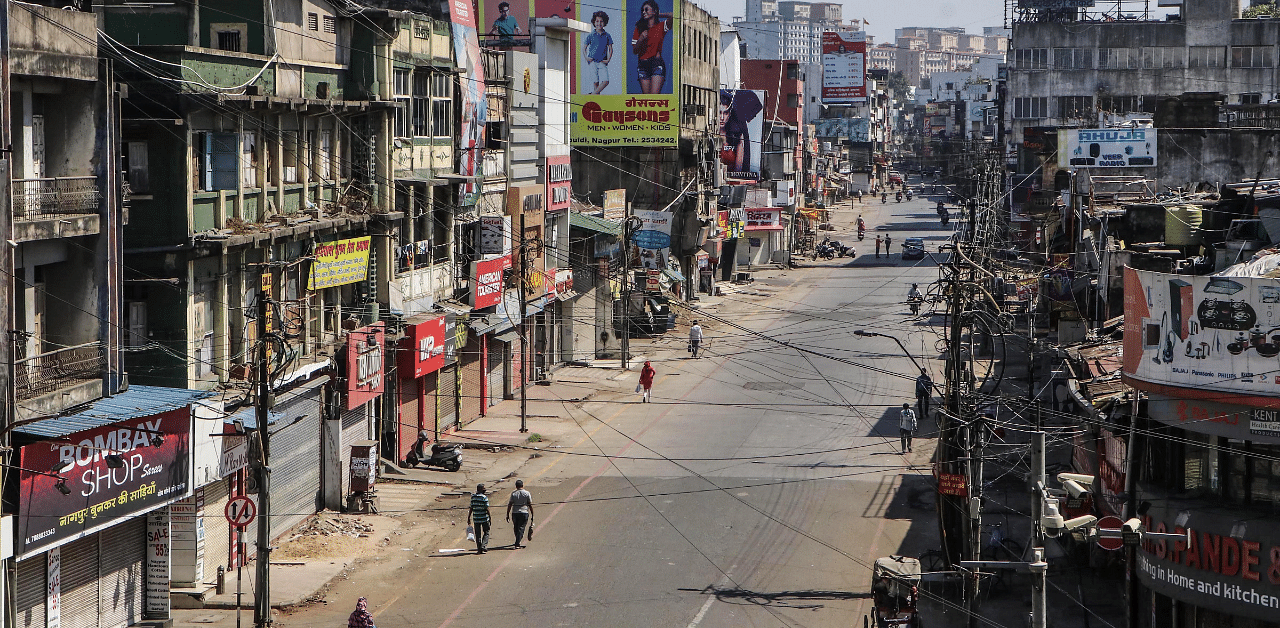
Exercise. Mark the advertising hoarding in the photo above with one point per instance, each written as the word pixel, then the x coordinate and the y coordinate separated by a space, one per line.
pixel 615 205
pixel 466 51
pixel 422 350
pixel 844 67
pixel 653 238
pixel 764 219
pixel 626 72
pixel 364 364
pixel 1108 148
pixel 559 183
pixel 495 235
pixel 486 289
pixel 339 263
pixel 742 127
pixel 505 23
pixel 152 475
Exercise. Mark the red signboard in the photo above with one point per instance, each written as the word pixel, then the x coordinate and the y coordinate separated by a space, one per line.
pixel 559 183
pixel 422 349
pixel 486 277
pixel 844 67
pixel 952 484
pixel 151 470
pixel 364 364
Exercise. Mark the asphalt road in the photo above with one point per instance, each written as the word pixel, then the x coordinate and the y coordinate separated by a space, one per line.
pixel 755 490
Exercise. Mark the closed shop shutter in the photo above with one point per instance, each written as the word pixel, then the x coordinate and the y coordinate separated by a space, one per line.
pixel 470 398
pixel 217 533
pixel 447 398
pixel 407 421
pixel 121 588
pixel 497 353
pixel 355 427
pixel 295 461
pixel 517 360
pixel 80 583
pixel 29 597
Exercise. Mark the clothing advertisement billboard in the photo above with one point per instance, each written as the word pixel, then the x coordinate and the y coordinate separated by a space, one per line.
pixel 82 487
pixel 627 69
pixel 844 67
pixel 466 50
pixel 1108 148
pixel 1205 333
pixel 742 126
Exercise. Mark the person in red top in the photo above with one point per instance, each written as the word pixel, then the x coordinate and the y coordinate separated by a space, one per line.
pixel 646 43
pixel 646 381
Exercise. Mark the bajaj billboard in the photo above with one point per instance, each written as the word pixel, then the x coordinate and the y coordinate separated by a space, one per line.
pixel 626 72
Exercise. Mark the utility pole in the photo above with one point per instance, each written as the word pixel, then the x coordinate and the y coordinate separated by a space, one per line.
pixel 262 585
pixel 524 333
pixel 977 441
pixel 1039 569
pixel 626 292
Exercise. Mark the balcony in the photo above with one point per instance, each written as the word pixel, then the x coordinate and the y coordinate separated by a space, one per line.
pixel 58 207
pixel 53 381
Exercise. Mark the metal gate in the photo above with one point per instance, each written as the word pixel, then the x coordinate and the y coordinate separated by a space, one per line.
pixel 447 398
pixel 79 577
pixel 217 532
pixel 121 585
pixel 295 461
pixel 497 355
pixel 29 594
pixel 471 377
pixel 355 427
pixel 407 419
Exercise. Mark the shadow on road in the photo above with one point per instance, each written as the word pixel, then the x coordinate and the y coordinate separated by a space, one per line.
pixel 802 599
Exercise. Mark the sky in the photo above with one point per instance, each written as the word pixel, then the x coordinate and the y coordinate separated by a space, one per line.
pixel 972 15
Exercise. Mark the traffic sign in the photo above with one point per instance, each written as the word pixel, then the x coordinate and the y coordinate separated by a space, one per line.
pixel 1110 524
pixel 241 511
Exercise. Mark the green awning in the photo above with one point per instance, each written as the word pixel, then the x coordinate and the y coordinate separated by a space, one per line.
pixel 595 223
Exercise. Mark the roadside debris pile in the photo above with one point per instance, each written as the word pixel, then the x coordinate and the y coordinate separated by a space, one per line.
pixel 334 525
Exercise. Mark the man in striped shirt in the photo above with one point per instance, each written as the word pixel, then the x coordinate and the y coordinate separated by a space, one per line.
pixel 479 515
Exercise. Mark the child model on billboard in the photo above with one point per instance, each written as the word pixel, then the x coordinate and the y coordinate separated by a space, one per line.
pixel 598 50
pixel 647 43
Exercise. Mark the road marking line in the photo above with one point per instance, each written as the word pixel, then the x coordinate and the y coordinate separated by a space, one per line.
pixel 706 606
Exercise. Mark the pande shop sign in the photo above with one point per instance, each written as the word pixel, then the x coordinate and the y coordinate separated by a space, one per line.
pixel 423 349
pixel 486 281
pixel 155 456
pixel 364 364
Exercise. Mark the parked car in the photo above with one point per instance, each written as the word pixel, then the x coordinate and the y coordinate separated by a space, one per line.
pixel 895 177
pixel 913 248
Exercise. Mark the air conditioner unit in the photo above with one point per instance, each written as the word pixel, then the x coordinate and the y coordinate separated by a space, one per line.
pixel 783 193
pixel 692 109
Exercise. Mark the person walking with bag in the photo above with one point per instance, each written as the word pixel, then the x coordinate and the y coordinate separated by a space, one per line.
pixel 646 381
pixel 520 506
pixel 924 393
pixel 906 427
pixel 478 513
pixel 695 338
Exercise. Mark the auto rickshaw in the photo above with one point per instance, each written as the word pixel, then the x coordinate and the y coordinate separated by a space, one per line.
pixel 895 591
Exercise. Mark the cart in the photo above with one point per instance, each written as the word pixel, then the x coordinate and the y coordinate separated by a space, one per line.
pixel 895 590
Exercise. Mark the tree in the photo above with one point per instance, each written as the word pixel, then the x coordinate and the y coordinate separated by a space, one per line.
pixel 1260 9
pixel 898 84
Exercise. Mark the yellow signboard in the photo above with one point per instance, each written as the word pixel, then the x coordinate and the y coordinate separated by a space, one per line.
pixel 340 263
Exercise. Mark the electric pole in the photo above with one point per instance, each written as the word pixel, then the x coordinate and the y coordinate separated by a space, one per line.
pixel 524 333
pixel 262 586
pixel 626 292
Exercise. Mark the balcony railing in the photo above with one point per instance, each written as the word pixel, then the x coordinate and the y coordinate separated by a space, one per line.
pixel 33 198
pixel 47 372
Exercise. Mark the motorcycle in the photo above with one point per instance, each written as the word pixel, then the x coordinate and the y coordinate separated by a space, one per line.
pixel 898 197
pixel 884 198
pixel 914 303
pixel 908 195
pixel 445 456
pixel 862 233
pixel 840 249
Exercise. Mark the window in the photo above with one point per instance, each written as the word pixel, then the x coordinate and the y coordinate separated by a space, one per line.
pixel 249 159
pixel 324 154
pixel 1117 58
pixel 330 24
pixel 421 104
pixel 1075 106
pixel 1031 58
pixel 218 156
pixel 313 22
pixel 1251 99
pixel 1207 57
pixel 1119 104
pixel 793 71
pixel 138 171
pixel 289 144
pixel 1073 58
pixel 442 104
pixel 229 41
pixel 1031 107
pixel 421 29
pixel 404 105
pixel 1162 57
pixel 1251 56
pixel 136 322
pixel 793 100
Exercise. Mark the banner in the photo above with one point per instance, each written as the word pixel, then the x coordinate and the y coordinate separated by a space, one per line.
pixel 626 72
pixel 559 183
pixel 339 263
pixel 844 67
pixel 615 205
pixel 466 51
pixel 486 281
pixel 423 348
pixel 156 455
pixel 1109 148
pixel 764 219
pixel 364 364
pixel 742 127
pixel 505 23
pixel 653 238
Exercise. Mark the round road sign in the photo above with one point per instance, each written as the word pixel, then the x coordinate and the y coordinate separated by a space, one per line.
pixel 1110 523
pixel 241 511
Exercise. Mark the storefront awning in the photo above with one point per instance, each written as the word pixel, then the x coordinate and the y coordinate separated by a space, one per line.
pixel 137 402
pixel 595 223
pixel 508 336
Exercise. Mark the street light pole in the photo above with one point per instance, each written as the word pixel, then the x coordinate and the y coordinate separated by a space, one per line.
pixel 871 334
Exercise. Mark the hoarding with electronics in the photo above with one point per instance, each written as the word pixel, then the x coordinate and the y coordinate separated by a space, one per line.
pixel 422 349
pixel 1108 148
pixel 626 72
pixel 844 67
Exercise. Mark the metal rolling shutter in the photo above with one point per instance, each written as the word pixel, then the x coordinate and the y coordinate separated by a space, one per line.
pixel 121 587
pixel 470 400
pixel 447 398
pixel 355 427
pixel 497 352
pixel 29 598
pixel 295 461
pixel 407 421
pixel 80 583
pixel 217 533
pixel 517 361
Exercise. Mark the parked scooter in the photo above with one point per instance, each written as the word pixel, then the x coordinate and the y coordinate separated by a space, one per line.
pixel 824 250
pixel 445 456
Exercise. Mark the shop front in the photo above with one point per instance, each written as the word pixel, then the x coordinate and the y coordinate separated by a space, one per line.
pixel 764 236
pixel 422 353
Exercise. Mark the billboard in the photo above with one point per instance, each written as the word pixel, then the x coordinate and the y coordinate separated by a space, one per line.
pixel 742 127
pixel 1206 333
pixel 422 349
pixel 156 455
pixel 486 290
pixel 505 23
pixel 615 204
pixel 844 67
pixel 625 76
pixel 653 238
pixel 1108 148
pixel 339 263
pixel 466 51
pixel 559 183
pixel 364 364
pixel 855 129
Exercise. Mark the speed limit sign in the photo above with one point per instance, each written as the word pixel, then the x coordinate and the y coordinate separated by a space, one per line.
pixel 240 511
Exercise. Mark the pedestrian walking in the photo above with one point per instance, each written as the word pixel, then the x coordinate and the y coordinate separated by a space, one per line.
pixel 859 195
pixel 695 338
pixel 479 515
pixel 924 393
pixel 888 245
pixel 361 617
pixel 520 511
pixel 906 427
pixel 878 241
pixel 646 381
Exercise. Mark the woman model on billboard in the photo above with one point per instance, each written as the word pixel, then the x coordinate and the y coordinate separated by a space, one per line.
pixel 646 43
pixel 737 109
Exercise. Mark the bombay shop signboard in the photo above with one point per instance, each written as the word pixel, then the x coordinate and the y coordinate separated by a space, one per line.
pixel 84 491
pixel 364 364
